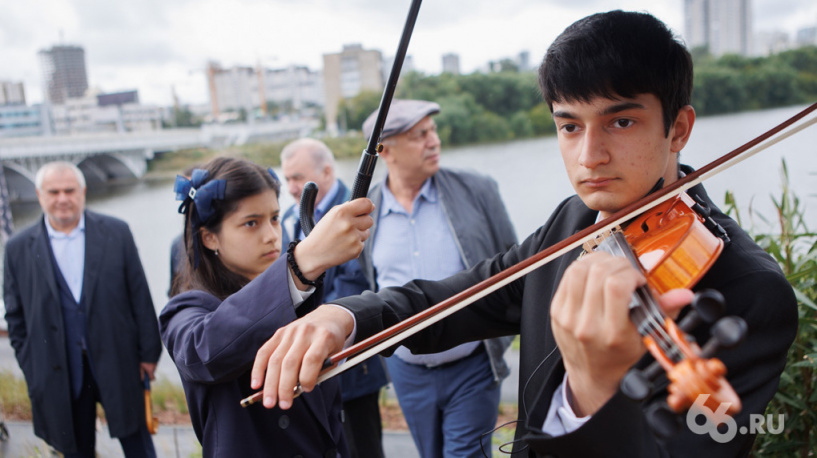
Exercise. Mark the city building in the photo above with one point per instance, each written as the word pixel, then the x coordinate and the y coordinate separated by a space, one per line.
pixel 451 63
pixel 12 93
pixel 259 92
pixel 723 26
pixel 64 73
pixel 99 112
pixel 767 43
pixel 345 75
pixel 806 36
pixel 388 63
pixel 23 121
pixel 523 61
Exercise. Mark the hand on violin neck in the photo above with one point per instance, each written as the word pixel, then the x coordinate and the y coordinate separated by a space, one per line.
pixel 295 354
pixel 591 325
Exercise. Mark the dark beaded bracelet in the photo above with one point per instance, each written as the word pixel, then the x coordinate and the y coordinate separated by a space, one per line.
pixel 291 260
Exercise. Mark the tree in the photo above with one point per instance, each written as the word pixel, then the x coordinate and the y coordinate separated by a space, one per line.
pixel 542 120
pixel 772 86
pixel 718 90
pixel 358 108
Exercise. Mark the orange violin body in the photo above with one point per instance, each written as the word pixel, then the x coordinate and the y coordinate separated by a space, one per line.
pixel 673 245
pixel 674 248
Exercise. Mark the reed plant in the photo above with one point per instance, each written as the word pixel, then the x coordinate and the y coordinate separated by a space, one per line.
pixel 794 246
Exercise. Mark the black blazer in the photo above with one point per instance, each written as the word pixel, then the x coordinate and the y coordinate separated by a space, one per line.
pixel 751 281
pixel 121 323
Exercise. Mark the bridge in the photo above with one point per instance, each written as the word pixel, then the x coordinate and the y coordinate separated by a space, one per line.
pixel 120 157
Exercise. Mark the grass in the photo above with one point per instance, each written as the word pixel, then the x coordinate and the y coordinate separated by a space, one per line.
pixel 14 400
pixel 267 154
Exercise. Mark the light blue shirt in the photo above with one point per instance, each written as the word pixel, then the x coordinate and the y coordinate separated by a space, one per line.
pixel 420 245
pixel 69 251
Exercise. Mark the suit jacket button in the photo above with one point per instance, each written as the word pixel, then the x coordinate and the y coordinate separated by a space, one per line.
pixel 57 367
pixel 331 453
pixel 283 422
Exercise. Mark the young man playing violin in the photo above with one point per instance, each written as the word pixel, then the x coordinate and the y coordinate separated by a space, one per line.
pixel 618 85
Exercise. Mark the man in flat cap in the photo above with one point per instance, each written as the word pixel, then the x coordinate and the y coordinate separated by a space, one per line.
pixel 429 224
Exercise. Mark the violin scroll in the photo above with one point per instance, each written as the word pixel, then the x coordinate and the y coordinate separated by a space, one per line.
pixel 696 374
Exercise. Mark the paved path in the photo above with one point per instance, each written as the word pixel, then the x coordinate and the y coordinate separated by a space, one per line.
pixel 170 442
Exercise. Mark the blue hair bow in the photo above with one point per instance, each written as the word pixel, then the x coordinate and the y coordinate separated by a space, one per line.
pixel 192 190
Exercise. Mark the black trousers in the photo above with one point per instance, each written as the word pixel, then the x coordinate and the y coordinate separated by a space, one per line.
pixel 137 445
pixel 363 427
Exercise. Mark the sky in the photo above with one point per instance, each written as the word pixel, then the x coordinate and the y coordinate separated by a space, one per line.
pixel 161 46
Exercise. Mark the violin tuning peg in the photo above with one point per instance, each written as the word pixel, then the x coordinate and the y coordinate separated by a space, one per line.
pixel 728 332
pixel 664 422
pixel 709 304
pixel 635 385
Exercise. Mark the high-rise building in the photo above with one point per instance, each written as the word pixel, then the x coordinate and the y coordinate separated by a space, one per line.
pixel 64 74
pixel 723 26
pixel 451 63
pixel 345 75
pixel 806 36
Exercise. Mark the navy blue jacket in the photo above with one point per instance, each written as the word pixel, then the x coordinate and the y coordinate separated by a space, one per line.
pixel 341 281
pixel 214 343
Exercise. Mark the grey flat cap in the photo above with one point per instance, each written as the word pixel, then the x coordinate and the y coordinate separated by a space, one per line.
pixel 403 115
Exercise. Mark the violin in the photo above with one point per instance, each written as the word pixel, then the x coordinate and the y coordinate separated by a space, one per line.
pixel 674 246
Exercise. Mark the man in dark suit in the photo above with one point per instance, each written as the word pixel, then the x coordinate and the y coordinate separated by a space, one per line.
pixel 306 160
pixel 619 86
pixel 81 319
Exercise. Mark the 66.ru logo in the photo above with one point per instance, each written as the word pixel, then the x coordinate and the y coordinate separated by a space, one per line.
pixel 712 421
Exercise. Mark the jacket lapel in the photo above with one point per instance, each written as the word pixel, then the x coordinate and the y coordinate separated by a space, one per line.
pixel 95 244
pixel 42 256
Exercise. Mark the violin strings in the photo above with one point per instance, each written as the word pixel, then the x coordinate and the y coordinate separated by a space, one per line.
pixel 650 319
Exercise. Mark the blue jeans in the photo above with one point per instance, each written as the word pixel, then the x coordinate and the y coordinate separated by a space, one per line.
pixel 448 408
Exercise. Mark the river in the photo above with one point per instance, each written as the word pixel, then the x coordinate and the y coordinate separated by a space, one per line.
pixel 531 180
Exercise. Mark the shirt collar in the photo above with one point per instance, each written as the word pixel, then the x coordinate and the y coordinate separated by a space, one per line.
pixel 428 192
pixel 324 204
pixel 55 234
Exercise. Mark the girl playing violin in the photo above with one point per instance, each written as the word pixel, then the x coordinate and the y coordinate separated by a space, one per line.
pixel 235 290
pixel 618 85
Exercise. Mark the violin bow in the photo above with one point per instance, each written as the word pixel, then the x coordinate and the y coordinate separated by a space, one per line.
pixel 395 334
pixel 368 159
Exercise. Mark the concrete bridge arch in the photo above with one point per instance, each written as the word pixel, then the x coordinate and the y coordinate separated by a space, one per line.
pixel 98 169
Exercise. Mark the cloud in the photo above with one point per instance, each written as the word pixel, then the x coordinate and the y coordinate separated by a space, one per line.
pixel 156 44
